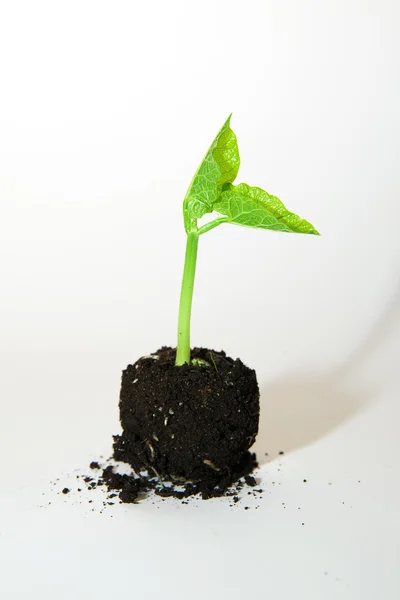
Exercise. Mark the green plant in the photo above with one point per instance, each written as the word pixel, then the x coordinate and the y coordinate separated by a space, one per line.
pixel 212 190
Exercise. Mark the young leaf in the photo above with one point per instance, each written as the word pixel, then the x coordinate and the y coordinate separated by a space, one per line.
pixel 253 207
pixel 220 166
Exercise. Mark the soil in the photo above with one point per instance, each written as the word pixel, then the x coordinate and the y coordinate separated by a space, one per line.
pixel 186 430
pixel 133 488
pixel 191 424
pixel 117 487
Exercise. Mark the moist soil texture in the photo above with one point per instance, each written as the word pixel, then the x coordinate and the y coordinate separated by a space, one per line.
pixel 186 430
pixel 190 423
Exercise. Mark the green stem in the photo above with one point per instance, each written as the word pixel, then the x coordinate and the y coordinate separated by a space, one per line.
pixel 212 224
pixel 185 306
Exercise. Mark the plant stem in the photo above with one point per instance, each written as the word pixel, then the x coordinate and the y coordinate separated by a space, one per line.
pixel 212 224
pixel 185 305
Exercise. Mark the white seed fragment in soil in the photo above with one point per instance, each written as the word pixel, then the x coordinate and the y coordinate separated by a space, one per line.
pixel 166 421
pixel 153 356
pixel 171 412
pixel 210 464
pixel 151 448
pixel 135 380
pixel 180 403
pixel 160 408
pixel 155 437
pixel 172 436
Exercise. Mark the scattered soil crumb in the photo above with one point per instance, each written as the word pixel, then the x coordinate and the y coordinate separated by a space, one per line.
pixel 250 480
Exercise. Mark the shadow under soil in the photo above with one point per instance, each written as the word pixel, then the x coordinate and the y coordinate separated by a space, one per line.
pixel 298 410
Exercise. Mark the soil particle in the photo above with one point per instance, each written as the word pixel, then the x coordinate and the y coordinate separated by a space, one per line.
pixel 66 490
pixel 250 480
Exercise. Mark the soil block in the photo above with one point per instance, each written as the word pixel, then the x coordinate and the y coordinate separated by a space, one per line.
pixel 188 423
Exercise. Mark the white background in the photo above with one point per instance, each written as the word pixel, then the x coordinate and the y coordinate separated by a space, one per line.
pixel 106 109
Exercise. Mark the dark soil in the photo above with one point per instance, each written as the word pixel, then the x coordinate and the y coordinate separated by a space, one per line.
pixel 186 430
pixel 193 423
pixel 132 488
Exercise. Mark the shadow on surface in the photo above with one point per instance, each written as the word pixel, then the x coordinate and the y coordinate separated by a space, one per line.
pixel 298 410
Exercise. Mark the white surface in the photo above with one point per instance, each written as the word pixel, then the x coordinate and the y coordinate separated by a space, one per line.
pixel 105 112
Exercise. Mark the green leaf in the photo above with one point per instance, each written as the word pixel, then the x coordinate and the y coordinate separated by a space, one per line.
pixel 253 207
pixel 219 167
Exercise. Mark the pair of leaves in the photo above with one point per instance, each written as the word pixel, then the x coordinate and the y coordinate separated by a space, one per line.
pixel 212 189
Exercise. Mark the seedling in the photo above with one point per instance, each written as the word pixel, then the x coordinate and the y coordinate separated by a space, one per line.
pixel 212 190
pixel 194 427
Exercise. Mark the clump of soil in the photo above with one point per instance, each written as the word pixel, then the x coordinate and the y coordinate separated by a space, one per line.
pixel 186 430
pixel 193 423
